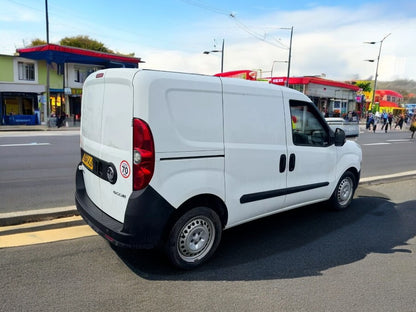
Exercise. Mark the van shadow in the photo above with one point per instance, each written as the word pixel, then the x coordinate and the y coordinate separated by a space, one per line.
pixel 298 243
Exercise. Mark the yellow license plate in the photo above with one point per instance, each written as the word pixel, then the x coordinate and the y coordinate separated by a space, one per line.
pixel 87 161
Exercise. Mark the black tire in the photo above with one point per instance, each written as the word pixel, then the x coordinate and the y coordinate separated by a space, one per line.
pixel 344 192
pixel 194 238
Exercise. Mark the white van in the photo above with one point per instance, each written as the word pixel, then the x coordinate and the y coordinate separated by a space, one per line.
pixel 171 160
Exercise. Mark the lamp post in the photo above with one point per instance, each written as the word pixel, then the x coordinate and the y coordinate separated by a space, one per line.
pixel 290 54
pixel 222 55
pixel 46 108
pixel 378 60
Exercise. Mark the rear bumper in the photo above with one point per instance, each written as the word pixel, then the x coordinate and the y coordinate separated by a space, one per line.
pixel 145 220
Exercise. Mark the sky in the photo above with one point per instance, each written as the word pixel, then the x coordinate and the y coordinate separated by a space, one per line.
pixel 328 35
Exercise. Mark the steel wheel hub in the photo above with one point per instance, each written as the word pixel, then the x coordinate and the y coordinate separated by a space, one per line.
pixel 345 191
pixel 196 238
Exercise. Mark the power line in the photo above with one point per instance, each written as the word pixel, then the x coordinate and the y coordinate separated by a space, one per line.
pixel 258 36
pixel 205 6
pixel 263 37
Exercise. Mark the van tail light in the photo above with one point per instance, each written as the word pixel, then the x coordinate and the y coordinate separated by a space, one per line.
pixel 143 154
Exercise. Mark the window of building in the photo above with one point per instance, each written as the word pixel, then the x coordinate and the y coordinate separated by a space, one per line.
pixel 297 87
pixel 77 76
pixel 81 73
pixel 26 71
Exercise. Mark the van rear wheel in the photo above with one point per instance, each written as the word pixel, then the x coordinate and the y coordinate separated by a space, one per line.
pixel 344 192
pixel 194 238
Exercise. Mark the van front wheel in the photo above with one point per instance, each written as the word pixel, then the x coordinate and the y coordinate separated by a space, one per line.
pixel 194 238
pixel 344 192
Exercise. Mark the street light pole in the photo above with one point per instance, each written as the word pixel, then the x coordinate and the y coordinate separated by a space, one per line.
pixel 290 54
pixel 46 109
pixel 222 55
pixel 378 60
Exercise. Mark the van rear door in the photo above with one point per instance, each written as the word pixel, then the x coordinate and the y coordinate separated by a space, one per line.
pixel 106 139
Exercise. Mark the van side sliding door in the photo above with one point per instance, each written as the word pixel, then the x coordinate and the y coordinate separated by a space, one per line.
pixel 255 151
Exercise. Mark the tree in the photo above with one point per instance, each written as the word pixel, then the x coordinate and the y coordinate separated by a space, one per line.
pixel 37 42
pixel 85 42
pixel 364 85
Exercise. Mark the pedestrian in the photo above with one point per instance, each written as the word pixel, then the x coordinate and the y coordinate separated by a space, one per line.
pixel 375 123
pixel 400 121
pixel 390 119
pixel 60 120
pixel 384 116
pixel 370 121
pixel 413 125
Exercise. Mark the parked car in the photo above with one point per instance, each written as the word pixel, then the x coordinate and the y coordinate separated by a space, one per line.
pixel 351 128
pixel 171 160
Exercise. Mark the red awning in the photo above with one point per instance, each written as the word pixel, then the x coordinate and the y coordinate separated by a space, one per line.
pixel 312 80
pixel 242 74
pixel 63 54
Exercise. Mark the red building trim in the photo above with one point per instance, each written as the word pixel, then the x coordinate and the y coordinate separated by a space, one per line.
pixel 310 79
pixel 63 54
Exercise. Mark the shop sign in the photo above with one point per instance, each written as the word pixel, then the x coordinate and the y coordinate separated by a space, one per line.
pixel 76 91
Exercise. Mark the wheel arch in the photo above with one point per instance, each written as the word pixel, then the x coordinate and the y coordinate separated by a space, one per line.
pixel 356 174
pixel 205 200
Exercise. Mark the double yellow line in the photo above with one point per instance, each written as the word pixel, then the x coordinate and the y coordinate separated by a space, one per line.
pixel 41 232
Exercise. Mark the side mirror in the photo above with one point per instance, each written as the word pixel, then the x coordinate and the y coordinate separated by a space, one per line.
pixel 339 139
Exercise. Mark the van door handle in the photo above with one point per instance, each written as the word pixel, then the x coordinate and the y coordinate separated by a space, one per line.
pixel 282 164
pixel 292 161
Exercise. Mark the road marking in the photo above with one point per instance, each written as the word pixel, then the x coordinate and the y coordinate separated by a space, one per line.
pixel 24 144
pixel 369 144
pixel 30 225
pixel 399 140
pixel 43 236
pixel 47 236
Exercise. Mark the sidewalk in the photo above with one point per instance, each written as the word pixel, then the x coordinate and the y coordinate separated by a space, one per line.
pixel 42 127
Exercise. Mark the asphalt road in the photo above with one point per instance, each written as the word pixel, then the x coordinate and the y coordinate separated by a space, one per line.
pixel 310 259
pixel 37 168
pixel 387 153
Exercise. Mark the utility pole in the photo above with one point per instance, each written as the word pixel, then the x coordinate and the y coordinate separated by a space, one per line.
pixel 222 55
pixel 47 100
pixel 290 56
pixel 378 60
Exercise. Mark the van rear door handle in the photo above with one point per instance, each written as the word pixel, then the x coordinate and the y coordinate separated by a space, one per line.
pixel 292 161
pixel 282 164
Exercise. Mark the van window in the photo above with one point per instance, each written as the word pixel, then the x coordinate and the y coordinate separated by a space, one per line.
pixel 307 126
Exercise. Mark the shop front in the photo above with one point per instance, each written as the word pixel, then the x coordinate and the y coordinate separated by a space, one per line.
pixel 74 97
pixel 19 108
pixel 332 98
pixel 19 104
